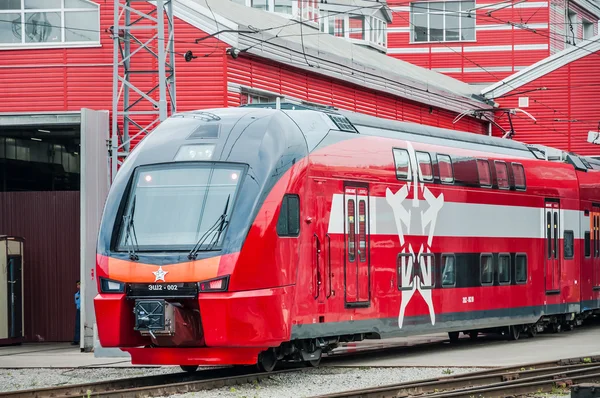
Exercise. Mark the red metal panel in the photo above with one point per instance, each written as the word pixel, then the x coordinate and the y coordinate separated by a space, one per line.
pixel 565 110
pixel 49 222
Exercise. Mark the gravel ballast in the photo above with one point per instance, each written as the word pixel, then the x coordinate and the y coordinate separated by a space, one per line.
pixel 325 380
pixel 24 379
pixel 304 383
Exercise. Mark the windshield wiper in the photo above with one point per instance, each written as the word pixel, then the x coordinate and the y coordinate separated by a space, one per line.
pixel 219 225
pixel 131 237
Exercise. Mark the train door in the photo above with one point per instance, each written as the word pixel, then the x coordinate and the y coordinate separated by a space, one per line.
pixel 357 245
pixel 320 244
pixel 15 297
pixel 553 258
pixel 595 244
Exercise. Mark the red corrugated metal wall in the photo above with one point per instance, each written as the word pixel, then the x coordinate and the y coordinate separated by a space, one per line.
pixel 69 79
pixel 264 75
pixel 49 222
pixel 565 110
pixel 492 56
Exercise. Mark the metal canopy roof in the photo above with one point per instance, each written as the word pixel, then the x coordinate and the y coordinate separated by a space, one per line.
pixel 251 30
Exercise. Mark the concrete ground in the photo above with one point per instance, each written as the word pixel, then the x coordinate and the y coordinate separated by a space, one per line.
pixel 430 350
pixel 486 351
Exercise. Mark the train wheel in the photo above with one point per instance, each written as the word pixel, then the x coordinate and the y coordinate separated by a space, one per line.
pixel 513 333
pixel 267 360
pixel 315 362
pixel 453 336
pixel 532 331
pixel 473 335
pixel 189 368
pixel 556 327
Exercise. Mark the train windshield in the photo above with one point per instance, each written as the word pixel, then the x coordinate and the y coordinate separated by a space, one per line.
pixel 179 207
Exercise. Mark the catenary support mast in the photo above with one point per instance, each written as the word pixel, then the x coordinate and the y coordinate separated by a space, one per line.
pixel 143 62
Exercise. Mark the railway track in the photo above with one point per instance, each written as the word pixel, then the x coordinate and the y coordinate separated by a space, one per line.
pixel 152 386
pixel 499 382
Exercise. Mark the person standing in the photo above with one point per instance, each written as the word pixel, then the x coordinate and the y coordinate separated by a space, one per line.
pixel 77 318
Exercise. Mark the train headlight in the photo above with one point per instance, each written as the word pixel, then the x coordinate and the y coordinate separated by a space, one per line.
pixel 195 152
pixel 108 286
pixel 214 285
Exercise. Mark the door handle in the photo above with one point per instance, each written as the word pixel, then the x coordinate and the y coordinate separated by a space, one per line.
pixel 330 291
pixel 318 274
pixel 13 282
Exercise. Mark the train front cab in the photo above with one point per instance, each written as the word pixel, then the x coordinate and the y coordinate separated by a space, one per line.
pixel 201 286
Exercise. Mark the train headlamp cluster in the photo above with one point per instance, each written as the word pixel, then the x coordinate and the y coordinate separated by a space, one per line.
pixel 109 286
pixel 195 152
pixel 214 285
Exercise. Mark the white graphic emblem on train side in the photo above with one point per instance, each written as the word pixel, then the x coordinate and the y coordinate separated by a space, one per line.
pixel 160 274
pixel 410 278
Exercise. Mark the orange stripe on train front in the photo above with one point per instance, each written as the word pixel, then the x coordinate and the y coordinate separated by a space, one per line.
pixel 191 271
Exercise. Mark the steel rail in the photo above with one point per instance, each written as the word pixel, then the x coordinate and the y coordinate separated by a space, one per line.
pixel 160 385
pixel 507 380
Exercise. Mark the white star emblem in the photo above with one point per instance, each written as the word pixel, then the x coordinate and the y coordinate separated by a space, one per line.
pixel 160 274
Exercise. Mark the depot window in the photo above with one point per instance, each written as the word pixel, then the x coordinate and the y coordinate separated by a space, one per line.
pixel 442 21
pixel 306 9
pixel 356 28
pixel 32 23
pixel 288 223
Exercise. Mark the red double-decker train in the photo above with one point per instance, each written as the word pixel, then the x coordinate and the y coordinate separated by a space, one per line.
pixel 252 235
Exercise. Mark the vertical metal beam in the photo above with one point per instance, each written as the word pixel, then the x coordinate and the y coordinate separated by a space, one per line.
pixel 141 41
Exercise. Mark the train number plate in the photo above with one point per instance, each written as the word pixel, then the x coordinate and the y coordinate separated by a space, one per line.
pixel 162 287
pixel 148 290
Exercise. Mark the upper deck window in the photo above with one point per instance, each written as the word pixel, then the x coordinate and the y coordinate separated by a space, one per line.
pixel 501 174
pixel 402 164
pixel 483 168
pixel 445 169
pixel 519 175
pixel 442 21
pixel 425 168
pixel 48 23
pixel 175 206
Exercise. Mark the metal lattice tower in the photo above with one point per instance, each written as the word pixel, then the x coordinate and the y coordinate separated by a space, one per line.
pixel 143 62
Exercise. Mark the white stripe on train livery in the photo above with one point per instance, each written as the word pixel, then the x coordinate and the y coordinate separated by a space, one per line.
pixel 463 219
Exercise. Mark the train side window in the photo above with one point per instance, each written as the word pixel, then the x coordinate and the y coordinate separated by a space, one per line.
pixel 568 244
pixel 445 168
pixel 487 269
pixel 521 268
pixel 288 223
pixel 519 176
pixel 501 174
pixel 483 169
pixel 362 232
pixel 449 270
pixel 351 230
pixel 406 271
pixel 587 244
pixel 427 270
pixel 425 168
pixel 402 163
pixel 504 269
